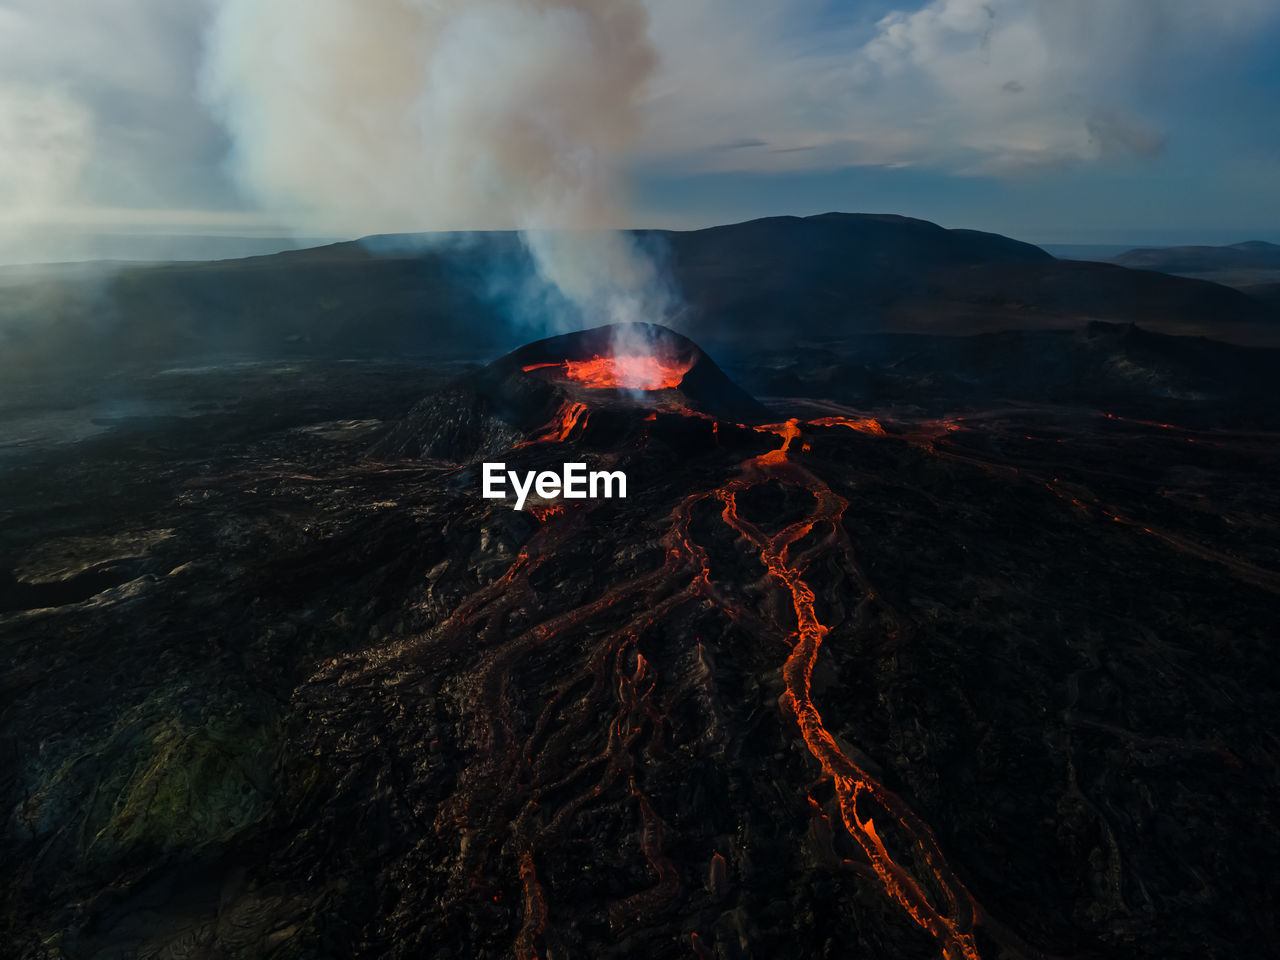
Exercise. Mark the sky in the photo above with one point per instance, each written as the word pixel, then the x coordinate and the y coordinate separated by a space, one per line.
pixel 1056 121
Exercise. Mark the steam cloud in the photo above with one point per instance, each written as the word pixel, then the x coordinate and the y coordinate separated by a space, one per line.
pixel 363 116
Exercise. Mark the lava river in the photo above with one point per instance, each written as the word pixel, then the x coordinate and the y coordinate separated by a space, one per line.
pixel 512 782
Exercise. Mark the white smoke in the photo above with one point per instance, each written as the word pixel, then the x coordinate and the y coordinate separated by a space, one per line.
pixel 365 116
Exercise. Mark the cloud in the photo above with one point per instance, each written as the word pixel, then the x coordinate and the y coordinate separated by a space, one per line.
pixel 45 143
pixel 97 107
pixel 969 87
pixel 1117 135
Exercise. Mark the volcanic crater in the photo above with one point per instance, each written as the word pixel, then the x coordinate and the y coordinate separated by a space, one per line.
pixel 600 385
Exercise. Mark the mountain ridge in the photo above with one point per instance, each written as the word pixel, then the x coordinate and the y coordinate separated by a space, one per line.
pixel 767 281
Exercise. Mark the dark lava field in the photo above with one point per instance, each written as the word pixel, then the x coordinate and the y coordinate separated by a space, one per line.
pixel 937 647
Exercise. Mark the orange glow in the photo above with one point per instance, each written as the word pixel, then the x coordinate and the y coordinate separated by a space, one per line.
pixel 545 511
pixel 628 372
pixel 535 910
pixel 862 425
pixel 570 416
pixel 787 431
pixel 1143 423
pixel 567 419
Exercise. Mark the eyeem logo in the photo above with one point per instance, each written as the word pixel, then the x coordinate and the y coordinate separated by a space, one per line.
pixel 573 482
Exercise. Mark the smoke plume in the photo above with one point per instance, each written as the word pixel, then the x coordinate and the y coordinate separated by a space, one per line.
pixel 365 116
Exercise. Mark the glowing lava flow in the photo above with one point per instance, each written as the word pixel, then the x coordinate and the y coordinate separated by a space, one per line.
pixel 862 425
pixel 567 419
pixel 526 787
pixel 627 372
pixel 950 923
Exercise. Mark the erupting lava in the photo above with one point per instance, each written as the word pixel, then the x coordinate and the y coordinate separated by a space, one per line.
pixel 627 372
pixel 528 804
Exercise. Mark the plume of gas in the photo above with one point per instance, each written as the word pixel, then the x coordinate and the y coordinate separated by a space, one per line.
pixel 373 116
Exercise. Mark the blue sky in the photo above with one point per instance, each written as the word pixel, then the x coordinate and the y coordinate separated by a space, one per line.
pixel 1068 121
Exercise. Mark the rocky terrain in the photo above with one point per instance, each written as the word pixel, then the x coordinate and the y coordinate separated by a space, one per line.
pixel 904 661
pixel 1252 267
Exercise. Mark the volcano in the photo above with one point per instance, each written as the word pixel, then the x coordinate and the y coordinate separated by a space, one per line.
pixel 618 376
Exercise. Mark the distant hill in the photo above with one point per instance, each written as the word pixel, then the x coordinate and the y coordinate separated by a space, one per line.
pixel 766 281
pixel 1086 251
pixel 837 274
pixel 1253 255
pixel 1252 267
pixel 63 245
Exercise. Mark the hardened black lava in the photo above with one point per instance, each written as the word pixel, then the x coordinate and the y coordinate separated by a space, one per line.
pixel 827 682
